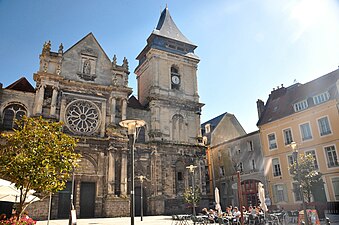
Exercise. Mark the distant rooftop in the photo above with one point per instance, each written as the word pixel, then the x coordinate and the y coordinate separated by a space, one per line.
pixel 21 85
pixel 281 101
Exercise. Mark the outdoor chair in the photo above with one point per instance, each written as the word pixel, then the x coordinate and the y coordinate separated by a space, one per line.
pixel 198 220
pixel 251 219
pixel 271 219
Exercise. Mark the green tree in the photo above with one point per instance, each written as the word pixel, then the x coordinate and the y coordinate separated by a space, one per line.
pixel 37 156
pixel 191 197
pixel 309 175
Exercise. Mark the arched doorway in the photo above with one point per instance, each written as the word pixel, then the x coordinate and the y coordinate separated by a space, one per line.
pixel 249 190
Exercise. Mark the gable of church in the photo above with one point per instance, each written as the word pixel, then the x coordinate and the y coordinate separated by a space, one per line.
pixel 86 61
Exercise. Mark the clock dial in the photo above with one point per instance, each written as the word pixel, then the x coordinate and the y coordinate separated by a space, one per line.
pixel 175 80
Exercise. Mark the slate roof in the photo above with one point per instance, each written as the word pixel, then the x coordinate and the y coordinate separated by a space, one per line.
pixel 133 102
pixel 281 101
pixel 213 122
pixel 21 85
pixel 167 28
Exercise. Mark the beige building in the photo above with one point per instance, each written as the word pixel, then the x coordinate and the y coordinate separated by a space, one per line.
pixel 230 149
pixel 306 114
pixel 89 92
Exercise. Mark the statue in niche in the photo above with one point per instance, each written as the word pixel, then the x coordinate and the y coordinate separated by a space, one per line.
pixel 87 67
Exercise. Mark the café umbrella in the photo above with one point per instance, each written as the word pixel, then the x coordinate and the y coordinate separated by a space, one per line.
pixel 261 194
pixel 9 193
pixel 217 200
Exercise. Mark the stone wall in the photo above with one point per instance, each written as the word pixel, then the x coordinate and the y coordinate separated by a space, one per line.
pixel 117 207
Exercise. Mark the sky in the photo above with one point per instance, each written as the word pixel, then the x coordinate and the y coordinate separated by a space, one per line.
pixel 246 47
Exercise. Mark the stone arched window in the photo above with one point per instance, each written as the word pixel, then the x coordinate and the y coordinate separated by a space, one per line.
pixel 178 128
pixel 11 113
pixel 175 78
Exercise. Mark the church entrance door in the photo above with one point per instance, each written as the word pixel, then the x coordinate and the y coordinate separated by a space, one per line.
pixel 87 199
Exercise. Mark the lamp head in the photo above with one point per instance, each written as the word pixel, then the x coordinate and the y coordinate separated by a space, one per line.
pixel 191 168
pixel 294 146
pixel 132 125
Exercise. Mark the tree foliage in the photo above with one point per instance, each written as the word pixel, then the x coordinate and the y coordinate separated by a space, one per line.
pixel 309 175
pixel 191 197
pixel 37 155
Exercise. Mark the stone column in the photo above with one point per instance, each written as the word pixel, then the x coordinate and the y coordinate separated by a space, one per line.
pixel 123 181
pixel 111 171
pixel 103 119
pixel 54 100
pixel 40 99
pixel 113 105
pixel 62 109
pixel 123 109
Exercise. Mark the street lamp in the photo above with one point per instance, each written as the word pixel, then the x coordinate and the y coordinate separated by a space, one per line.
pixel 72 213
pixel 191 169
pixel 294 147
pixel 132 126
pixel 141 177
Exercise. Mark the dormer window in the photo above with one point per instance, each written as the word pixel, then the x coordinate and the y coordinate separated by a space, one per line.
pixel 208 128
pixel 320 98
pixel 299 106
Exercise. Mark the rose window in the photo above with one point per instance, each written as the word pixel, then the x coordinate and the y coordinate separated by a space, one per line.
pixel 82 117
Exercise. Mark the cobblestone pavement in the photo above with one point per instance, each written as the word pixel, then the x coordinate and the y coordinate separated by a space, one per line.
pixel 147 220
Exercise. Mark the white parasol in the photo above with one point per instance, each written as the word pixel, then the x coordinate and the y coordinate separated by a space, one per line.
pixel 9 193
pixel 217 200
pixel 261 194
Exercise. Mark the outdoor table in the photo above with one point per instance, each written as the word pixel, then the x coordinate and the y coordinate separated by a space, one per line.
pixel 183 219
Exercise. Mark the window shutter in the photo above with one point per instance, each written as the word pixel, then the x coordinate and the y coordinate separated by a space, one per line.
pixel 275 199
pixel 285 193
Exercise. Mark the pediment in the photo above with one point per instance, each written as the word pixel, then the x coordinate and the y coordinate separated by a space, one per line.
pixel 86 61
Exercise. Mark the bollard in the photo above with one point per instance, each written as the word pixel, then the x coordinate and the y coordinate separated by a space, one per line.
pixel 327 220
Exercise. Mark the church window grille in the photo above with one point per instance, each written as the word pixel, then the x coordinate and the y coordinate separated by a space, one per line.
pixel 82 117
pixel 11 113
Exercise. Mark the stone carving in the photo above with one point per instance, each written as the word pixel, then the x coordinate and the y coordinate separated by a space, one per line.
pixel 61 49
pixel 114 62
pixel 46 48
pixel 125 63
pixel 86 67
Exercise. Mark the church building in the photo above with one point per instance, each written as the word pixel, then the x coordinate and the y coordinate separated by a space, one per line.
pixel 89 93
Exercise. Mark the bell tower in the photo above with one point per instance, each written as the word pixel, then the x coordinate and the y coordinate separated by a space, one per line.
pixel 167 84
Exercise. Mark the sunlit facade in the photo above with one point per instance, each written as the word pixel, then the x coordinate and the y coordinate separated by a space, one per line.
pixel 306 114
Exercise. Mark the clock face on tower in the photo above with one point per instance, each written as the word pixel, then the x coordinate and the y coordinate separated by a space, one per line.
pixel 175 79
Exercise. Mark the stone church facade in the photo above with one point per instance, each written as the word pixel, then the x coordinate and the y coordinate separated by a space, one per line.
pixel 89 93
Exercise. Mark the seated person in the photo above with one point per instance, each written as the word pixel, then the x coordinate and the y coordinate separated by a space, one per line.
pixel 228 212
pixel 236 213
pixel 204 211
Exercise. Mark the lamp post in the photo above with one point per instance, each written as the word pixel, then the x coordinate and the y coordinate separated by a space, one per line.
pixel 240 198
pixel 191 170
pixel 72 211
pixel 294 147
pixel 72 220
pixel 141 177
pixel 132 126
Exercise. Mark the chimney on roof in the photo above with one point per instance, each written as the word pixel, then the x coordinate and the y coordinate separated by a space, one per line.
pixel 260 107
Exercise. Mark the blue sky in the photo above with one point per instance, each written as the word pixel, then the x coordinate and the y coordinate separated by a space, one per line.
pixel 246 47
